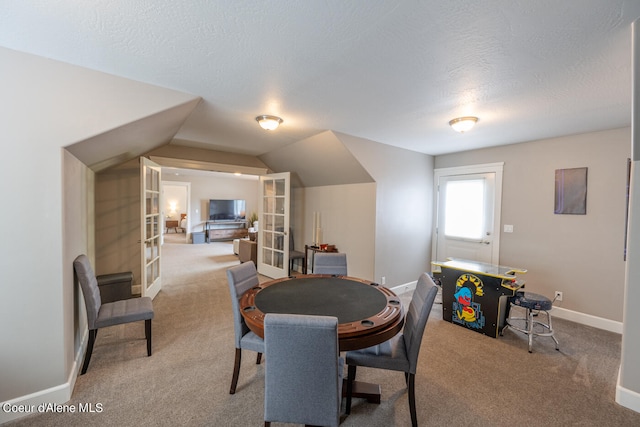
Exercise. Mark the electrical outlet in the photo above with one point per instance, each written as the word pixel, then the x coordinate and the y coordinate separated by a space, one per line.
pixel 558 296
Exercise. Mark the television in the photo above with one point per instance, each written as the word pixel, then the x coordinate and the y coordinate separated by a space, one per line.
pixel 227 210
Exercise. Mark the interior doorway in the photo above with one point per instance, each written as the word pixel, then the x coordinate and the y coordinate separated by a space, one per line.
pixel 176 202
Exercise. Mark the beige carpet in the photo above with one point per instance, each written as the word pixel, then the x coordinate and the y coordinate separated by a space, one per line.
pixel 464 378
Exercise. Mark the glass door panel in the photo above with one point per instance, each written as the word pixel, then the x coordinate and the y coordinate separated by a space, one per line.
pixel 273 255
pixel 150 230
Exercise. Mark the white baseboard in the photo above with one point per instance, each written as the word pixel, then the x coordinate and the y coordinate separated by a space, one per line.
pixel 627 398
pixel 400 289
pixel 587 319
pixel 59 394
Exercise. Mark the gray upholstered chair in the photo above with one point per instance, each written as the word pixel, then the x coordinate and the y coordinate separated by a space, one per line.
pixel 400 353
pixel 303 374
pixel 241 278
pixel 101 315
pixel 293 254
pixel 330 263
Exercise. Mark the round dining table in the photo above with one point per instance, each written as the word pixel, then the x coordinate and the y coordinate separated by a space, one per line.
pixel 368 314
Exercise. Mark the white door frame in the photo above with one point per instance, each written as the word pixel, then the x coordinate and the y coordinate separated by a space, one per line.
pixel 268 232
pixel 152 222
pixel 470 170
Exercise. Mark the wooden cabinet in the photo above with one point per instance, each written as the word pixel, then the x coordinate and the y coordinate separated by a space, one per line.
pixel 248 251
pixel 226 231
pixel 169 224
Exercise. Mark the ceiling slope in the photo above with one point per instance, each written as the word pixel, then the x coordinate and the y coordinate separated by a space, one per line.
pixel 101 119
pixel 132 139
pixel 393 71
pixel 318 161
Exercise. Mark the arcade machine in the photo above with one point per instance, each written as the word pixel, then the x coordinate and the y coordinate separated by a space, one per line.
pixel 475 294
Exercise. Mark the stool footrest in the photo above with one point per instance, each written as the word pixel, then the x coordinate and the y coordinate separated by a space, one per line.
pixel 527 325
pixel 513 324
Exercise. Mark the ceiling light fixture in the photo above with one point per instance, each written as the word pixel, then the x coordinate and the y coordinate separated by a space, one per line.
pixel 463 124
pixel 269 122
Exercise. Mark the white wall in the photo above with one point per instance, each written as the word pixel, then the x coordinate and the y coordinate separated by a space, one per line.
pixel 176 194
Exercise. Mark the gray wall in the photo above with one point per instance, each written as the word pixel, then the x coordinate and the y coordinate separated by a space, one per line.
pixel 404 212
pixel 78 237
pixel 347 217
pixel 117 223
pixel 580 255
pixel 628 390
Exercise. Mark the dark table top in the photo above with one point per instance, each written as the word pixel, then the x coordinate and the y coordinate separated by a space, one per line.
pixel 367 313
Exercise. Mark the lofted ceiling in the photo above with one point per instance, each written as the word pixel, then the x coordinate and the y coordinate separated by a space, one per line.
pixel 394 72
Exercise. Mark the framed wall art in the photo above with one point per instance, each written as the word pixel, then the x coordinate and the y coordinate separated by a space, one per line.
pixel 571 191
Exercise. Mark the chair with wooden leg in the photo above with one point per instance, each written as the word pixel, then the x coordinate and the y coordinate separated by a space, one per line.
pixel 101 315
pixel 400 353
pixel 241 278
pixel 294 255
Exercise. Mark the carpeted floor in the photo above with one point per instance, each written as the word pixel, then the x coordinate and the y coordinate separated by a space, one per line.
pixel 464 378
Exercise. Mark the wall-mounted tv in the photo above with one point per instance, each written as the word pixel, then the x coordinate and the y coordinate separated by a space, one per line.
pixel 227 210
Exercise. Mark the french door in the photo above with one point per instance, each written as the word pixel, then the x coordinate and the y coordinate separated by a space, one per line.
pixel 468 204
pixel 151 229
pixel 273 229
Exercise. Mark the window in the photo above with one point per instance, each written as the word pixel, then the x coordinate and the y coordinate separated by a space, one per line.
pixel 463 219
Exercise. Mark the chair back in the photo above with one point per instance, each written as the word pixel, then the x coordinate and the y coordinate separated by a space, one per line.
pixel 90 290
pixel 241 278
pixel 417 316
pixel 291 241
pixel 303 383
pixel 330 263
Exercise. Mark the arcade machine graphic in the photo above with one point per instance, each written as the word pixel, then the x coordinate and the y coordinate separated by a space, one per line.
pixel 475 295
pixel 464 310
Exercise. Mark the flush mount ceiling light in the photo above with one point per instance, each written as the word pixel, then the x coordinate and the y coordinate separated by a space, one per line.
pixel 269 122
pixel 463 124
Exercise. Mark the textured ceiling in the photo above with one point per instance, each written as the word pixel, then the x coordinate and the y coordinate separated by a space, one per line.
pixel 390 71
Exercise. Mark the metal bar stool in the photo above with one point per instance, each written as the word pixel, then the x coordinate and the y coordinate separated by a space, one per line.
pixel 534 305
